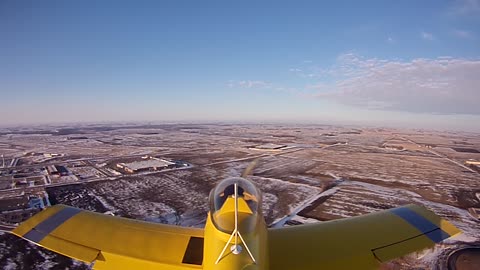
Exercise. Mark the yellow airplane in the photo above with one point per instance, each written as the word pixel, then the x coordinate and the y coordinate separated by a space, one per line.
pixel 235 237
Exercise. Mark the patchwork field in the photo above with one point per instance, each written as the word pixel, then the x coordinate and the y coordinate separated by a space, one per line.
pixel 320 173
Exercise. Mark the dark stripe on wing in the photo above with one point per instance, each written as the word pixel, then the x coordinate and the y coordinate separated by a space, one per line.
pixel 424 225
pixel 37 233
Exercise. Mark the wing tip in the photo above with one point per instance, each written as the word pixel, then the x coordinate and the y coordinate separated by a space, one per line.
pixel 440 222
pixel 449 228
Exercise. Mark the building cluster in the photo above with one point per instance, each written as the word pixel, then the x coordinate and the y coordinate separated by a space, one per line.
pixel 30 181
pixel 269 147
pixel 33 176
pixel 474 164
pixel 38 157
pixel 17 209
pixel 146 164
pixel 429 146
pixel 58 170
pixel 393 147
pixel 27 177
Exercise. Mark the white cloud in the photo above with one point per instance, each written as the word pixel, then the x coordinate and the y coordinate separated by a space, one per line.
pixel 390 40
pixel 249 84
pixel 426 36
pixel 442 86
pixel 465 7
pixel 306 72
pixel 463 34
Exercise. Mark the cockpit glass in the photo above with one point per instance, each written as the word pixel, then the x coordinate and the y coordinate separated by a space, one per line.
pixel 223 195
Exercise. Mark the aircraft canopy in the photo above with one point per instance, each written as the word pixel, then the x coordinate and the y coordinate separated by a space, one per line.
pixel 222 200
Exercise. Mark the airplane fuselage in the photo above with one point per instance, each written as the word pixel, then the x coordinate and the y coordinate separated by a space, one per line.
pixel 235 232
pixel 215 240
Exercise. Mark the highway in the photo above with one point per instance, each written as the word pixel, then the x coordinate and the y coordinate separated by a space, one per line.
pixel 442 156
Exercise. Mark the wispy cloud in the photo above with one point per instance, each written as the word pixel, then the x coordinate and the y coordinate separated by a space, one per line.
pixel 304 72
pixel 390 40
pixel 295 70
pixel 249 84
pixel 465 7
pixel 441 85
pixel 462 34
pixel 427 36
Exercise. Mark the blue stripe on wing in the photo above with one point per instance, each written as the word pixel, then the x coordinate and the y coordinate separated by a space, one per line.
pixel 44 228
pixel 424 225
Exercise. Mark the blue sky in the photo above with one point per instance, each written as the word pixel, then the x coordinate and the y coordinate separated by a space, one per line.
pixel 405 63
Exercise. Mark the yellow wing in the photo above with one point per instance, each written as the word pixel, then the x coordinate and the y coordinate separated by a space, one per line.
pixel 359 242
pixel 114 242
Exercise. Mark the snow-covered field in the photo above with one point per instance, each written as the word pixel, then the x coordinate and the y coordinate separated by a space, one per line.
pixel 332 172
